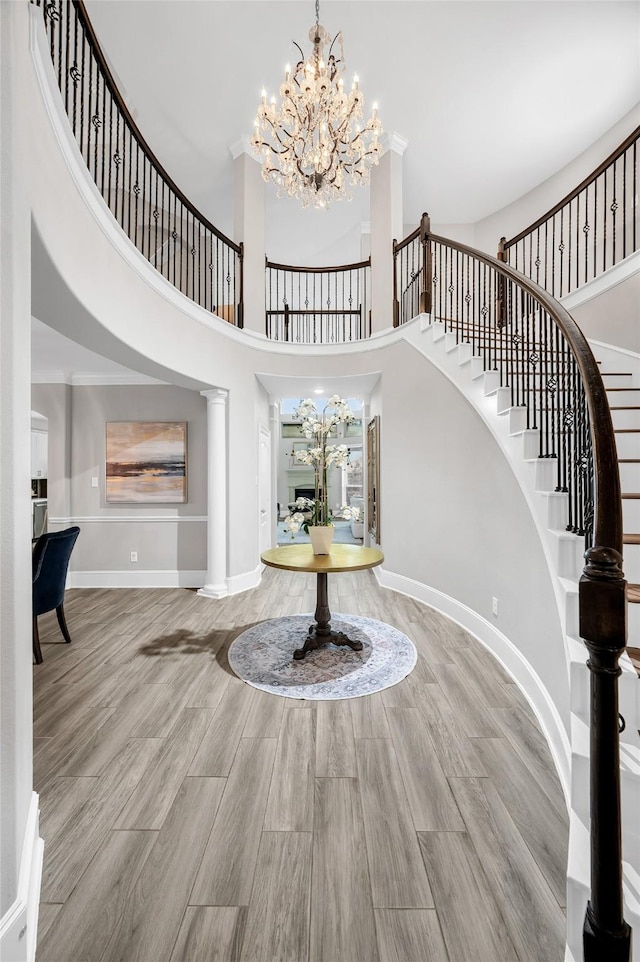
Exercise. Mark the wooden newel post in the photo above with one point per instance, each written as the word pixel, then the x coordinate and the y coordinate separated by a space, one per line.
pixel 425 293
pixel 240 318
pixel 396 305
pixel 606 936
pixel 503 257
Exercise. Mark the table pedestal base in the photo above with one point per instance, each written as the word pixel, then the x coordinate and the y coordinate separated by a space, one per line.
pixel 316 640
pixel 321 633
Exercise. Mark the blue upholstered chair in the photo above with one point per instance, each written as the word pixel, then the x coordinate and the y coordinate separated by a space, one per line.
pixel 51 555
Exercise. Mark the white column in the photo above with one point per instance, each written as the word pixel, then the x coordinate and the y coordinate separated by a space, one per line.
pixel 274 423
pixel 249 226
pixel 20 843
pixel 216 585
pixel 386 225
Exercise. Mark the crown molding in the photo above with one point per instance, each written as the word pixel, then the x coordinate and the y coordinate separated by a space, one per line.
pixel 94 380
pixel 242 146
pixel 394 141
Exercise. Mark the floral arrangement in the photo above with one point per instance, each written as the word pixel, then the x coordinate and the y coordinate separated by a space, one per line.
pixel 321 456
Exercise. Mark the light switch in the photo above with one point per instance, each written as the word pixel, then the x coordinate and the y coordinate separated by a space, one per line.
pixel 94 482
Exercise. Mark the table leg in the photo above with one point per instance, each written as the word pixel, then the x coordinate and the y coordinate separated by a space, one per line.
pixel 321 632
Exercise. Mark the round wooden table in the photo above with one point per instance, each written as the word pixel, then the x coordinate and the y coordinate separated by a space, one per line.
pixel 342 557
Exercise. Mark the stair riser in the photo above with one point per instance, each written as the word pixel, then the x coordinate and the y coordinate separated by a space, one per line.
pixel 626 419
pixel 557 511
pixel 617 380
pixel 630 476
pixel 619 398
pixel 633 626
pixel 546 474
pixel 628 445
pixel 631 514
pixel 631 563
pixel 570 557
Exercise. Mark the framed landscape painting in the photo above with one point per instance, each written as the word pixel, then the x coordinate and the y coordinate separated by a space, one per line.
pixel 146 462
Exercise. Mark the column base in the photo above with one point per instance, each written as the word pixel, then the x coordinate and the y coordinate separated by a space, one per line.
pixel 214 591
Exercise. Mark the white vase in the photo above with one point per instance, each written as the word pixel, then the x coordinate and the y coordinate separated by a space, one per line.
pixel 321 537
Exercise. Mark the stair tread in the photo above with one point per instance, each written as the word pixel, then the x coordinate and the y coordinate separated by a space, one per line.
pixel 624 407
pixel 612 389
pixel 626 430
pixel 631 538
pixel 628 460
pixel 634 655
pixel 631 495
pixel 633 594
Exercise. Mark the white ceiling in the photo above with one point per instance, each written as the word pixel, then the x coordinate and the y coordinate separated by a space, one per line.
pixel 493 97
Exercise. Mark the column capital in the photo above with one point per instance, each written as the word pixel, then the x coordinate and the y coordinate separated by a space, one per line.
pixel 243 146
pixel 394 141
pixel 216 395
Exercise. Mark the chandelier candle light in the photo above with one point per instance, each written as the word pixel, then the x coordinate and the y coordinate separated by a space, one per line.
pixel 313 515
pixel 314 146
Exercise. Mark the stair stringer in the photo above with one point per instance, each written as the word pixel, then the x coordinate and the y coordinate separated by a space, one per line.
pixel 564 555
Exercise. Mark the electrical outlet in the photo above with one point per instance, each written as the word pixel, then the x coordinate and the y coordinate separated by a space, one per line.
pixel 134 556
pixel 494 607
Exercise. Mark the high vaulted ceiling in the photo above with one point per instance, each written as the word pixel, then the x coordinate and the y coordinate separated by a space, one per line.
pixel 493 97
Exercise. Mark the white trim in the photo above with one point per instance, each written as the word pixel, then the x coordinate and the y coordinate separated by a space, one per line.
pixel 507 654
pixel 242 146
pixel 132 518
pixel 93 380
pixel 136 579
pixel 614 347
pixel 610 278
pixel 245 581
pixel 19 924
pixel 393 141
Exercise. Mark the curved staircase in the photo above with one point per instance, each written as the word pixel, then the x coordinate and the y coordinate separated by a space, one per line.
pixel 564 551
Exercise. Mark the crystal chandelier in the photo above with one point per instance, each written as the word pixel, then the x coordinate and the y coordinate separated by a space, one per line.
pixel 314 145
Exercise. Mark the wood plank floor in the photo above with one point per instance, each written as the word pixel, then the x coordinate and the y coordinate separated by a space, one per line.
pixel 190 818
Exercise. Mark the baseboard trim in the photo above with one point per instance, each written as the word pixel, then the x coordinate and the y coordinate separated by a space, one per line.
pixel 136 579
pixel 245 581
pixel 19 924
pixel 507 654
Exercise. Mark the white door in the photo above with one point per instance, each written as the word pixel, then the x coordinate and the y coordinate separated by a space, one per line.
pixel 264 487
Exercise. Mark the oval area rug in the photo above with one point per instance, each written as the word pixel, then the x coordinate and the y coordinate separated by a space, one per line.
pixel 263 657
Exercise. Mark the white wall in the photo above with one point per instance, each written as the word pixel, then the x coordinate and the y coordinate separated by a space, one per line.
pixel 612 316
pixel 175 542
pixel 514 218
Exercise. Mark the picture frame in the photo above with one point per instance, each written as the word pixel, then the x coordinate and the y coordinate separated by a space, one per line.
pixel 146 462
pixel 373 478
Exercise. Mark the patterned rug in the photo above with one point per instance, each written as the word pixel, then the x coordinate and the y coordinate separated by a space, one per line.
pixel 263 657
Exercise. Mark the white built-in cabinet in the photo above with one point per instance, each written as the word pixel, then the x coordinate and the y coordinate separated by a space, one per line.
pixel 39 443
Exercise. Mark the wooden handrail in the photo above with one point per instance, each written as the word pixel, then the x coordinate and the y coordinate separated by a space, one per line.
pixel 318 270
pixel 400 245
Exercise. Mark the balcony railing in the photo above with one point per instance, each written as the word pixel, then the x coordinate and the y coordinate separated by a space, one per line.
pixel 318 305
pixel 589 231
pixel 163 224
pixel 410 268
